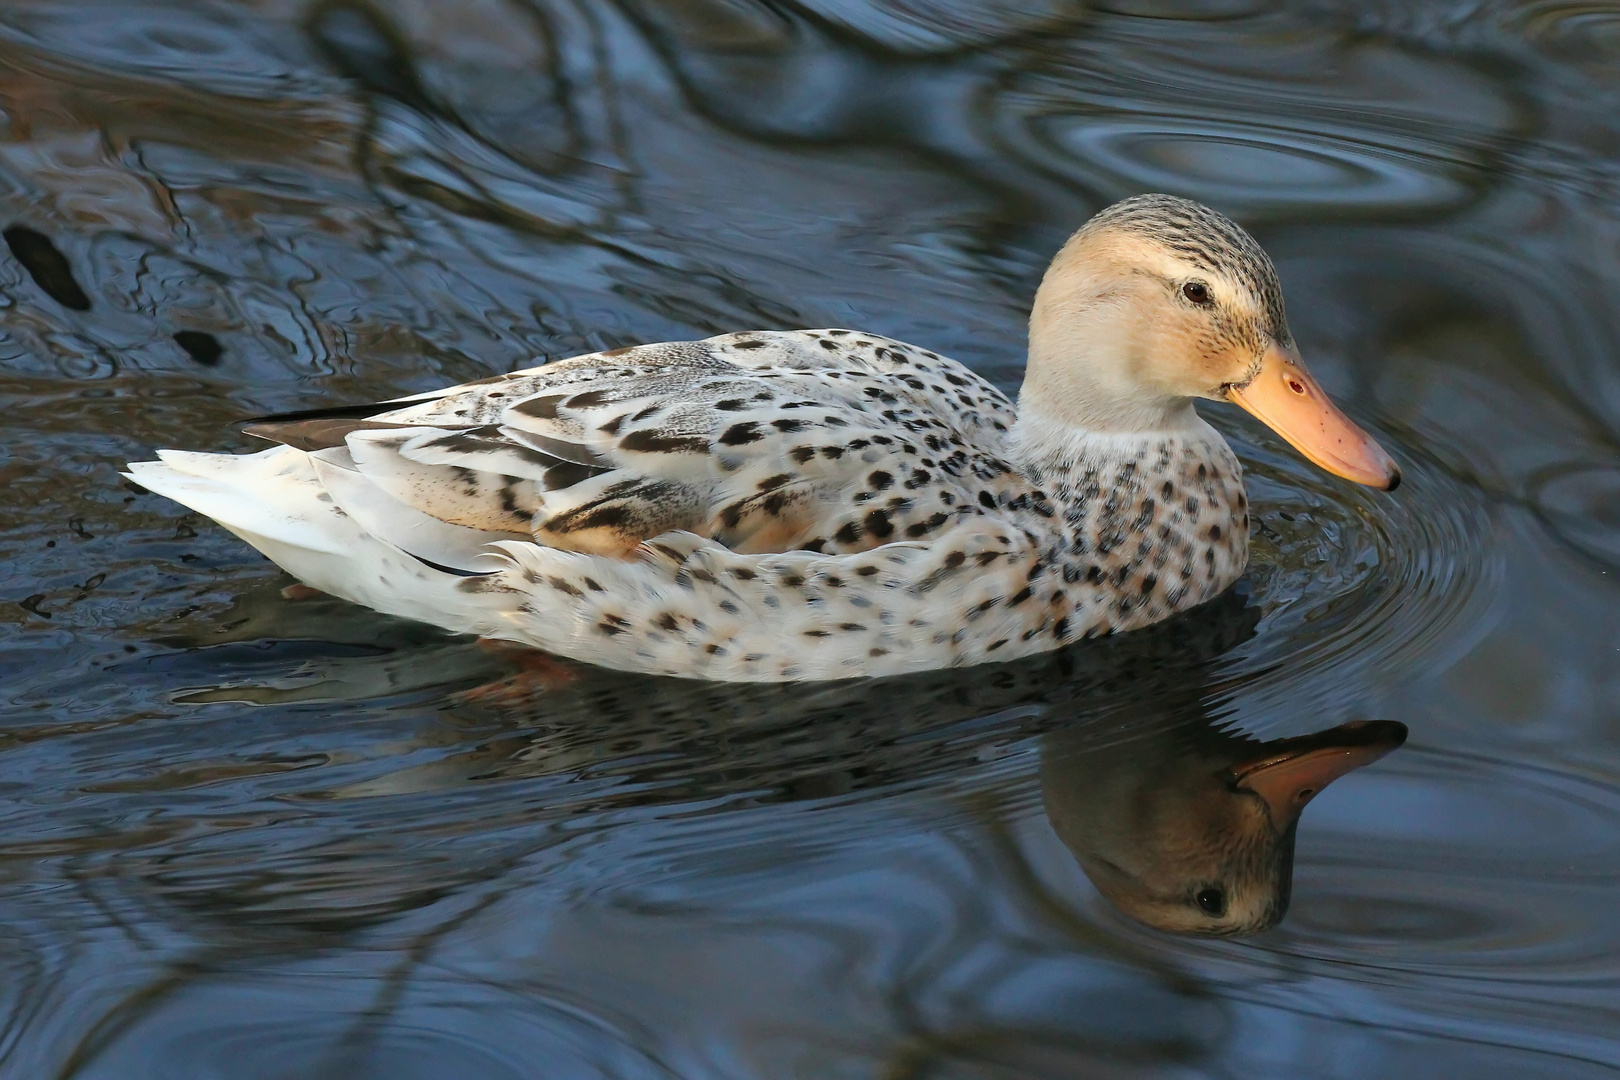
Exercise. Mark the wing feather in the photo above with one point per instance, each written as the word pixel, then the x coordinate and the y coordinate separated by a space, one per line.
pixel 764 441
pixel 423 535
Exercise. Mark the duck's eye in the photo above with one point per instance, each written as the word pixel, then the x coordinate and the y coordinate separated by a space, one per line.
pixel 1196 291
pixel 1211 902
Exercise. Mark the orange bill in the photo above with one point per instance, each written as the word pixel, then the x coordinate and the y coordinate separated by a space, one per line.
pixel 1296 770
pixel 1287 400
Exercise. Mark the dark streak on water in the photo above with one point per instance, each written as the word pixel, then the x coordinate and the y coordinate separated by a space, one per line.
pixel 246 836
pixel 46 266
pixel 201 347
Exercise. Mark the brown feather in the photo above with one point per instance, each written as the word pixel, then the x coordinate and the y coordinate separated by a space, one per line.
pixel 321 433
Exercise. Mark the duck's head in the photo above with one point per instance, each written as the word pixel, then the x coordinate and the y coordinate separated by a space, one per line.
pixel 1199 839
pixel 1158 301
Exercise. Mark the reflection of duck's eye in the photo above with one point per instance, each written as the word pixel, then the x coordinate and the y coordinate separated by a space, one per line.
pixel 1212 902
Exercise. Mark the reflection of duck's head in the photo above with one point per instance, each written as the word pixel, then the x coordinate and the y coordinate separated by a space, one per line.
pixel 1194 832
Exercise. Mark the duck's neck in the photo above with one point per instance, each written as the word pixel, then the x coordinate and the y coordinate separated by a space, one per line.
pixel 1093 353
pixel 1046 437
pixel 1154 520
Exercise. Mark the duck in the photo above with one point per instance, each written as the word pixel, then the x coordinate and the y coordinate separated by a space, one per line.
pixel 808 505
pixel 1190 828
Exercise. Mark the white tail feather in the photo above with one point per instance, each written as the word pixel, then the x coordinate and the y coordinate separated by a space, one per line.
pixel 273 494
pixel 275 501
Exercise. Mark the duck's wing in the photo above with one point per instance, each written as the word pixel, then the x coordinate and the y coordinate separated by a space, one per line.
pixel 829 440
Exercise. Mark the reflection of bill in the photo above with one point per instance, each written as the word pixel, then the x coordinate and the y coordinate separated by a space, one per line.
pixel 1192 829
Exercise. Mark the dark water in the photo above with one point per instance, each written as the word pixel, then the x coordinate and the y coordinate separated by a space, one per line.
pixel 247 837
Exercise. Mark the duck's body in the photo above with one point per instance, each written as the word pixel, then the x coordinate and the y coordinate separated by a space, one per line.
pixel 814 504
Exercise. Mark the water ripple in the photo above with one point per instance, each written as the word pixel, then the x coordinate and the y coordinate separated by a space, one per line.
pixel 1504 863
pixel 1161 118
pixel 1330 560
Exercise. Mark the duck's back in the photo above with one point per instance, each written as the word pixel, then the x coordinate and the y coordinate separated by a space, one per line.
pixel 817 440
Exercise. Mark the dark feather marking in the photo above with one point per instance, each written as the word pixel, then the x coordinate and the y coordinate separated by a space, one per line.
pixel 654 441
pixel 878 524
pixel 441 568
pixel 488 439
pixel 585 399
pixel 593 516
pixel 745 432
pixel 334 412
pixel 508 497
pixel 320 433
pixel 563 585
pixel 560 449
pixel 568 473
pixel 541 408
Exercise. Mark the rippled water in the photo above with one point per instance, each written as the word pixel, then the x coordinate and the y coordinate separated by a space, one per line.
pixel 251 837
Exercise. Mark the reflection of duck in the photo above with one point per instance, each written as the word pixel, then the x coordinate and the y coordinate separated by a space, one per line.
pixel 774 506
pixel 1159 806
pixel 1167 814
pixel 1192 829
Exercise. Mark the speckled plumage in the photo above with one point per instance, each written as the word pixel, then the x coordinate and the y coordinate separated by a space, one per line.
pixel 814 504
pixel 806 504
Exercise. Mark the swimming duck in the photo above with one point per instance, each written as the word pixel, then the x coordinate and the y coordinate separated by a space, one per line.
pixel 815 504
pixel 1191 829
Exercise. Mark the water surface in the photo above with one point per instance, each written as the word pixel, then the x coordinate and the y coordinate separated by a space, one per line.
pixel 242 836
